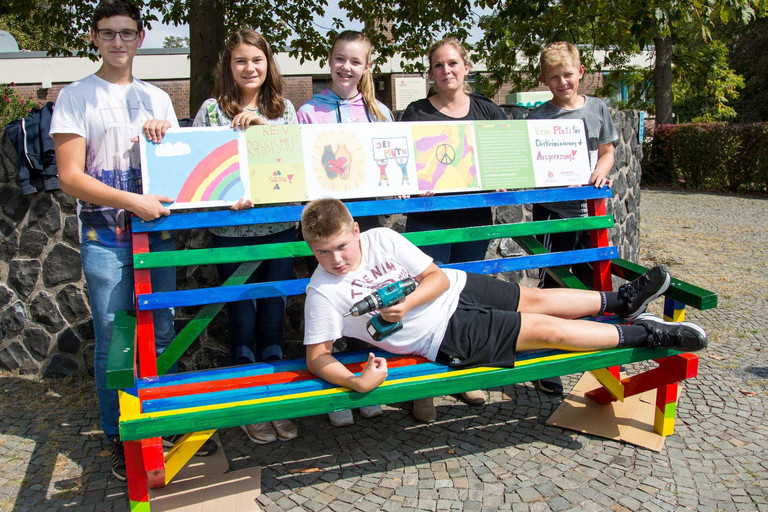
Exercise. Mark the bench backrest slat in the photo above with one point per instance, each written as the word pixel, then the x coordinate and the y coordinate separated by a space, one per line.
pixel 270 214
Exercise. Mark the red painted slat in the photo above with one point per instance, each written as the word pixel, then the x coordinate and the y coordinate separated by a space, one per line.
pixel 258 380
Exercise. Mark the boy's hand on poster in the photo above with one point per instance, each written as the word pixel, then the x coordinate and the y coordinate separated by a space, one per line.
pixel 151 207
pixel 154 130
pixel 599 180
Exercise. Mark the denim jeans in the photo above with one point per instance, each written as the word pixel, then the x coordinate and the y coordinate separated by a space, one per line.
pixel 109 276
pixel 256 326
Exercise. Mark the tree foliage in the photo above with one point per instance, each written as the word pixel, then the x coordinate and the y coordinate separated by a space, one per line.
pixel 175 42
pixel 515 33
pixel 680 32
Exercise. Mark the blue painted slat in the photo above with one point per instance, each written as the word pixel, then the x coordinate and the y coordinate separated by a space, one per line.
pixel 249 370
pixel 202 296
pixel 269 214
pixel 274 390
pixel 552 259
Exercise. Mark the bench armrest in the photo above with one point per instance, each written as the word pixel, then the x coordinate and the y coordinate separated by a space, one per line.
pixel 121 363
pixel 680 291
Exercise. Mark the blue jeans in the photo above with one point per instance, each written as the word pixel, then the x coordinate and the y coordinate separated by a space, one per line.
pixel 109 276
pixel 443 254
pixel 256 326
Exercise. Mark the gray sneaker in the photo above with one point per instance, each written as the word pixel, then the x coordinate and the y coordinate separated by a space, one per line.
pixel 341 418
pixel 683 336
pixel 639 293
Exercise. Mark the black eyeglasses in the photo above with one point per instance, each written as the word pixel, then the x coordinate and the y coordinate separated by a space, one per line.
pixel 108 35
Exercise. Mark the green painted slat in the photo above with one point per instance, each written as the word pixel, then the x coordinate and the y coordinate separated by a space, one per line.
pixel 562 275
pixel 678 290
pixel 120 361
pixel 295 249
pixel 400 392
pixel 192 330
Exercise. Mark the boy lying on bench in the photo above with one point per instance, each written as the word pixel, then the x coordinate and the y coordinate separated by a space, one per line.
pixel 457 318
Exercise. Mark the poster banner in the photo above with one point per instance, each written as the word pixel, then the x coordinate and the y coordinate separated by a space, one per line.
pixel 199 167
pixel 269 164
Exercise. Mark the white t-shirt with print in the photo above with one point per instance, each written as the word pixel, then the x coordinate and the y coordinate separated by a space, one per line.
pixel 108 116
pixel 387 257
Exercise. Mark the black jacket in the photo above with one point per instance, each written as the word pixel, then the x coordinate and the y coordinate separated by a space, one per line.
pixel 34 146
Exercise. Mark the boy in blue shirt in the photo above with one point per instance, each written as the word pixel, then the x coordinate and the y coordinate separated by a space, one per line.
pixel 561 71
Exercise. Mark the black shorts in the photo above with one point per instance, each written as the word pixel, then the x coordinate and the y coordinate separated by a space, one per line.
pixel 484 328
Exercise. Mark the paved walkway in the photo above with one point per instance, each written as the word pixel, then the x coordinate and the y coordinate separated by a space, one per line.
pixel 499 457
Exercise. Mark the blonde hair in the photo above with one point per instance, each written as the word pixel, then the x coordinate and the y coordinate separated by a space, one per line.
pixel 561 53
pixel 324 218
pixel 365 85
pixel 460 49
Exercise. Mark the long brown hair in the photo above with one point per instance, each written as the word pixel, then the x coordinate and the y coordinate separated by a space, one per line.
pixel 365 85
pixel 271 103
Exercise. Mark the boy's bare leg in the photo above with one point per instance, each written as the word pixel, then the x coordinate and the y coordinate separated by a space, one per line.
pixel 559 302
pixel 548 332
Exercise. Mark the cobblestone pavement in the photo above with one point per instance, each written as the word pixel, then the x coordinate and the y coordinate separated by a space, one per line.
pixel 498 457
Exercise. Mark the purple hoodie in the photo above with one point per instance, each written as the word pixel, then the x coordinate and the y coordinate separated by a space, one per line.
pixel 328 107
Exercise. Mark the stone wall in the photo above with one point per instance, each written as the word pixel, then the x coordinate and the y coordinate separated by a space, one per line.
pixel 45 325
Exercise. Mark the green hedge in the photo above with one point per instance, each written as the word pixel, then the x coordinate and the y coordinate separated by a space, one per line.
pixel 709 156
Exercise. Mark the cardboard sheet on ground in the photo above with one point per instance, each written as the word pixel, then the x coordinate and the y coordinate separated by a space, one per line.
pixel 206 485
pixel 630 421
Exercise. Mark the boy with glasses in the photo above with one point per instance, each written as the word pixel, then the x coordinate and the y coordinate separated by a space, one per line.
pixel 95 127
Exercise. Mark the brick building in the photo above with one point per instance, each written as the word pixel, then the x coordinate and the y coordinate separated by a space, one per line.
pixel 41 77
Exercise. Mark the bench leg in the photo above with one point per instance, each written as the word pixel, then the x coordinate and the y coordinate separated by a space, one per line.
pixel 138 490
pixel 664 380
pixel 154 461
pixel 666 407
pixel 674 311
pixel 183 451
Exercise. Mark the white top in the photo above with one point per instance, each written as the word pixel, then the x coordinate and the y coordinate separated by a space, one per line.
pixel 387 257
pixel 108 116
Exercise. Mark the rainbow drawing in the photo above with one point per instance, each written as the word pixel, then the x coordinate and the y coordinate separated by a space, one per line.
pixel 214 177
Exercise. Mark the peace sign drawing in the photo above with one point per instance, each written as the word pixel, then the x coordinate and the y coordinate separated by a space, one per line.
pixel 445 154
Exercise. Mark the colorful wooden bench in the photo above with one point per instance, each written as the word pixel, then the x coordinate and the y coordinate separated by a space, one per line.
pixel 154 404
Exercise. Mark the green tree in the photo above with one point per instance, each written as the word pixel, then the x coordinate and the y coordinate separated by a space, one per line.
pixel 28 34
pixel 515 34
pixel 176 42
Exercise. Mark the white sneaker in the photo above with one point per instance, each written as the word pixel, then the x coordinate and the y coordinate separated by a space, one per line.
pixel 341 418
pixel 370 411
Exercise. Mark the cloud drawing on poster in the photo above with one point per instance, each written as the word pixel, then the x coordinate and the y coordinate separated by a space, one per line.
pixel 168 149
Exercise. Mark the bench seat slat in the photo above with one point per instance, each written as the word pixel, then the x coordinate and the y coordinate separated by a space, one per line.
pixel 280 390
pixel 455 381
pixel 257 380
pixel 271 214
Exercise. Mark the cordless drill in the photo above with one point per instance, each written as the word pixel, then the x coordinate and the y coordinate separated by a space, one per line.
pixel 385 296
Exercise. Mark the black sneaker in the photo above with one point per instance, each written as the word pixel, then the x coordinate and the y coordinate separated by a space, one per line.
pixel 209 446
pixel 639 293
pixel 683 336
pixel 551 386
pixel 117 459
